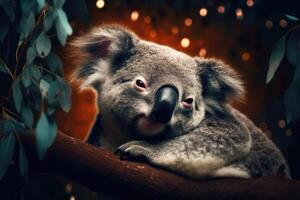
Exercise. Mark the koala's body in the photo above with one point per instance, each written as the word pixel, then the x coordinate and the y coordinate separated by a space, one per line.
pixel 171 109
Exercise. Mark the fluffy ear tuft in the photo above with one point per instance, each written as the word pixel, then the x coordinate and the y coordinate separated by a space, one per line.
pixel 219 84
pixel 103 51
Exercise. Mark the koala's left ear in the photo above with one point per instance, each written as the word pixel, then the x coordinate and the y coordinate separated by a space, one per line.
pixel 219 83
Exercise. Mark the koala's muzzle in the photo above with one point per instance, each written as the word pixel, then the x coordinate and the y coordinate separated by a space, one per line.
pixel 166 99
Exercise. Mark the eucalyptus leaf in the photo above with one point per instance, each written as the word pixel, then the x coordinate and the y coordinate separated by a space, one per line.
pixel 63 27
pixel 65 95
pixel 55 63
pixel 43 45
pixel 291 102
pixel 4 68
pixel 293 48
pixel 58 3
pixel 29 24
pixel 17 95
pixel 27 116
pixel 3 30
pixel 26 77
pixel 35 72
pixel 9 9
pixel 293 18
pixel 50 17
pixel 42 135
pixel 276 57
pixel 30 55
pixel 23 161
pixel 44 86
pixel 40 4
pixel 7 147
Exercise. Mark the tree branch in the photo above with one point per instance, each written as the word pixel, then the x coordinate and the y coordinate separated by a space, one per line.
pixel 104 172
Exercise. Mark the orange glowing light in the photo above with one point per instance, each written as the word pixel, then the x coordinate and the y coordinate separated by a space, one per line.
pixel 185 42
pixel 153 34
pixel 188 21
pixel 175 30
pixel 239 13
pixel 134 15
pixel 250 3
pixel 100 3
pixel 203 12
pixel 221 9
pixel 202 52
pixel 246 56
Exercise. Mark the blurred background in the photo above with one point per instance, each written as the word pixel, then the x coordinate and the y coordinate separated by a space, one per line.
pixel 241 32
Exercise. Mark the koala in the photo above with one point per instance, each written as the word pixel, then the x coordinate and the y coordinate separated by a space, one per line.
pixel 170 109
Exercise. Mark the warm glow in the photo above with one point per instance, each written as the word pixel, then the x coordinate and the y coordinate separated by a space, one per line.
pixel 147 20
pixel 221 9
pixel 269 24
pixel 72 198
pixel 134 15
pixel 100 4
pixel 153 34
pixel 239 13
pixel 188 21
pixel 283 23
pixel 68 188
pixel 202 52
pixel 175 30
pixel 250 3
pixel 185 42
pixel 203 12
pixel 246 56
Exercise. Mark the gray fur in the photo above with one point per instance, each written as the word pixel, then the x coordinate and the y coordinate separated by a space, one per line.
pixel 210 140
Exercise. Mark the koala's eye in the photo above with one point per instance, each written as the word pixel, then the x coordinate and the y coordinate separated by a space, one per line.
pixel 188 103
pixel 140 84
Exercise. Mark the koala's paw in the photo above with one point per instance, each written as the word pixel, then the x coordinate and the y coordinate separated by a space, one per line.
pixel 134 150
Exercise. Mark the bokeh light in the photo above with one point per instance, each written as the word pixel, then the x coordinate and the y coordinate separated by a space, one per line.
pixel 203 12
pixel 147 20
pixel 100 3
pixel 202 52
pixel 269 24
pixel 282 23
pixel 175 30
pixel 250 3
pixel 221 9
pixel 188 21
pixel 134 15
pixel 246 56
pixel 185 42
pixel 239 13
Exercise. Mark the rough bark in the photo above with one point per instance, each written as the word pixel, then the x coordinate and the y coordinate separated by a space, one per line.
pixel 104 172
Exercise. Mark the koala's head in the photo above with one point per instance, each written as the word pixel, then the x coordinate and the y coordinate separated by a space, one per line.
pixel 149 90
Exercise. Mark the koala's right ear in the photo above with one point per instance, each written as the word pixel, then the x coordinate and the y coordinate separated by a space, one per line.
pixel 103 50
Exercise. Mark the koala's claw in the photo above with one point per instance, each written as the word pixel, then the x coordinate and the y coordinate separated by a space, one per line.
pixel 132 150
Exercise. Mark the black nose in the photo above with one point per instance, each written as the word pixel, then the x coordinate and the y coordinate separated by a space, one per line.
pixel 166 99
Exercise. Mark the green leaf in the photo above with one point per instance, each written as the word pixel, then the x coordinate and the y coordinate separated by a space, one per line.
pixel 4 68
pixel 276 57
pixel 45 134
pixel 30 55
pixel 58 3
pixel 9 10
pixel 65 96
pixel 293 48
pixel 44 86
pixel 11 125
pixel 43 45
pixel 63 27
pixel 27 5
pixel 7 147
pixel 29 24
pixel 26 77
pixel 3 30
pixel 35 72
pixel 291 102
pixel 23 161
pixel 49 18
pixel 40 4
pixel 55 63
pixel 27 116
pixel 17 95
pixel 293 18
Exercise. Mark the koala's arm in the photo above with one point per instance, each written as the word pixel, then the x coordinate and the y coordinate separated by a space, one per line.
pixel 207 151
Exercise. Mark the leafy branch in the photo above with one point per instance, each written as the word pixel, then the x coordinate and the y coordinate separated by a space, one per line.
pixel 36 88
pixel 288 46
